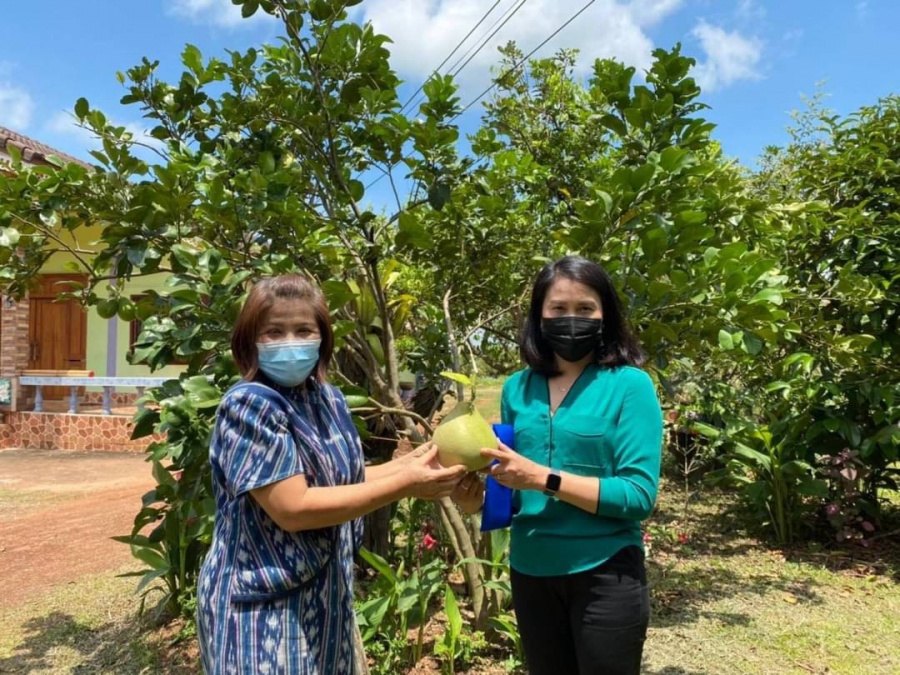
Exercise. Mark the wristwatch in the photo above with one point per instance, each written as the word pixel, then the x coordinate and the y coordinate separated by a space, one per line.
pixel 554 480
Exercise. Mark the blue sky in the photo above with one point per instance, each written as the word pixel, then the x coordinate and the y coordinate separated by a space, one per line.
pixel 757 57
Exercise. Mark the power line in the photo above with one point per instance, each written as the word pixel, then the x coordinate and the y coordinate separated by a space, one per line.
pixel 456 68
pixel 513 67
pixel 450 55
pixel 524 59
pixel 482 42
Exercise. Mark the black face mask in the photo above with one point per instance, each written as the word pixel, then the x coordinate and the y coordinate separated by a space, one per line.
pixel 573 337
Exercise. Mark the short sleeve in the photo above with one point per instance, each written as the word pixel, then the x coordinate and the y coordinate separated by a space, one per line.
pixel 254 446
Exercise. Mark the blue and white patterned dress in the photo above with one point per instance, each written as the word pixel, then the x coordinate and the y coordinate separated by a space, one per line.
pixel 270 601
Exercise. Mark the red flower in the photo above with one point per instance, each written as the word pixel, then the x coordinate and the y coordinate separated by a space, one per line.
pixel 429 542
pixel 647 538
pixel 682 538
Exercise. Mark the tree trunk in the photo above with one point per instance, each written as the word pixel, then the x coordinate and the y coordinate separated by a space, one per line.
pixel 377 532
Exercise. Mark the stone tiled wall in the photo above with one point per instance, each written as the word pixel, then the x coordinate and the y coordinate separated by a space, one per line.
pixel 14 338
pixel 54 431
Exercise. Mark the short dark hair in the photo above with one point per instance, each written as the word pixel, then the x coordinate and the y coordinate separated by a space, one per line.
pixel 620 346
pixel 255 310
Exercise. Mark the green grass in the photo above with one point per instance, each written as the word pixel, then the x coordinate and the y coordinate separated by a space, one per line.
pixel 89 626
pixel 724 602
pixel 727 603
pixel 488 402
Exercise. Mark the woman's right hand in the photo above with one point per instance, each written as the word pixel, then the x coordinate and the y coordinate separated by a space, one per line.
pixel 427 478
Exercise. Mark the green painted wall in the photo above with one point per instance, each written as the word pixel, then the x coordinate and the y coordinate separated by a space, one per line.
pixel 98 328
pixel 97 342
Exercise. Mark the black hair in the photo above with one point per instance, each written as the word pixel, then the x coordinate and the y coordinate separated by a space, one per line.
pixel 619 348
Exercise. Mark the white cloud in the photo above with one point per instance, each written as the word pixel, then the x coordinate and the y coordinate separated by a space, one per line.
pixel 730 57
pixel 751 10
pixel 16 107
pixel 426 31
pixel 221 13
pixel 649 12
pixel 791 41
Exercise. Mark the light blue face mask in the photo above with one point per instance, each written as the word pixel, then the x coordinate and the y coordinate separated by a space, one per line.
pixel 288 363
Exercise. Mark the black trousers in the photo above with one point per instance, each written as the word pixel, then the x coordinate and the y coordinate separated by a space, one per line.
pixel 590 623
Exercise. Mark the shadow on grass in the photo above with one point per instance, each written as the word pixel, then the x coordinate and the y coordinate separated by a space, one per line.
pixel 683 597
pixel 725 549
pixel 726 531
pixel 58 642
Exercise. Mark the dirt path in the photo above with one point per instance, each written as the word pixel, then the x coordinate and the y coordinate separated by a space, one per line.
pixel 58 511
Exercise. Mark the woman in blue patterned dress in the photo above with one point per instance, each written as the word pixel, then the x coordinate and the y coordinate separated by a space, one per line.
pixel 275 593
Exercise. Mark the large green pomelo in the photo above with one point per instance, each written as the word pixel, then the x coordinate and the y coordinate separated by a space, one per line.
pixel 461 435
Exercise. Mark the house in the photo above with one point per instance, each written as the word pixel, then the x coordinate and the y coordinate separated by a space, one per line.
pixel 49 347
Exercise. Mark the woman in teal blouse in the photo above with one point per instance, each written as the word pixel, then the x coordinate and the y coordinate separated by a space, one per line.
pixel 588 435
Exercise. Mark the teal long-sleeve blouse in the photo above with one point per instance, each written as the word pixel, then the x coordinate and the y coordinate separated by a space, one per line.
pixel 608 426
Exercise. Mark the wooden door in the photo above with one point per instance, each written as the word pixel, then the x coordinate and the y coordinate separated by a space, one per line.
pixel 57 331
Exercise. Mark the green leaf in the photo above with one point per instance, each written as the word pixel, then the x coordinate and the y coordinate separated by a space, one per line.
pixel 773 387
pixel 438 195
pixel 412 233
pixel 192 58
pixel 409 594
pixel 249 8
pixel 654 243
pixel 795 468
pixel 201 393
pixel 150 557
pixel 337 293
pixel 380 565
pixel 813 487
pixel 9 237
pixel 451 609
pixel 145 423
pixel 82 108
pixel 458 377
pixel 770 295
pixel 150 577
pixel 753 456
pixel 642 176
pixel 673 159
pixel 356 401
pixel 372 614
pixel 614 124
pixel 266 162
pixel 751 344
pixel 706 430
pixel 688 218
pixel 726 342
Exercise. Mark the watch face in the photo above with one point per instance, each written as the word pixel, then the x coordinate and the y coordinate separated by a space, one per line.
pixel 553 482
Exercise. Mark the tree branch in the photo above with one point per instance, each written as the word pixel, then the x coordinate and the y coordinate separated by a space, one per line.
pixel 451 341
pixel 490 319
pixel 50 234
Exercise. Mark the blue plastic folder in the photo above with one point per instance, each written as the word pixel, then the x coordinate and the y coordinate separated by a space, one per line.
pixel 498 499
